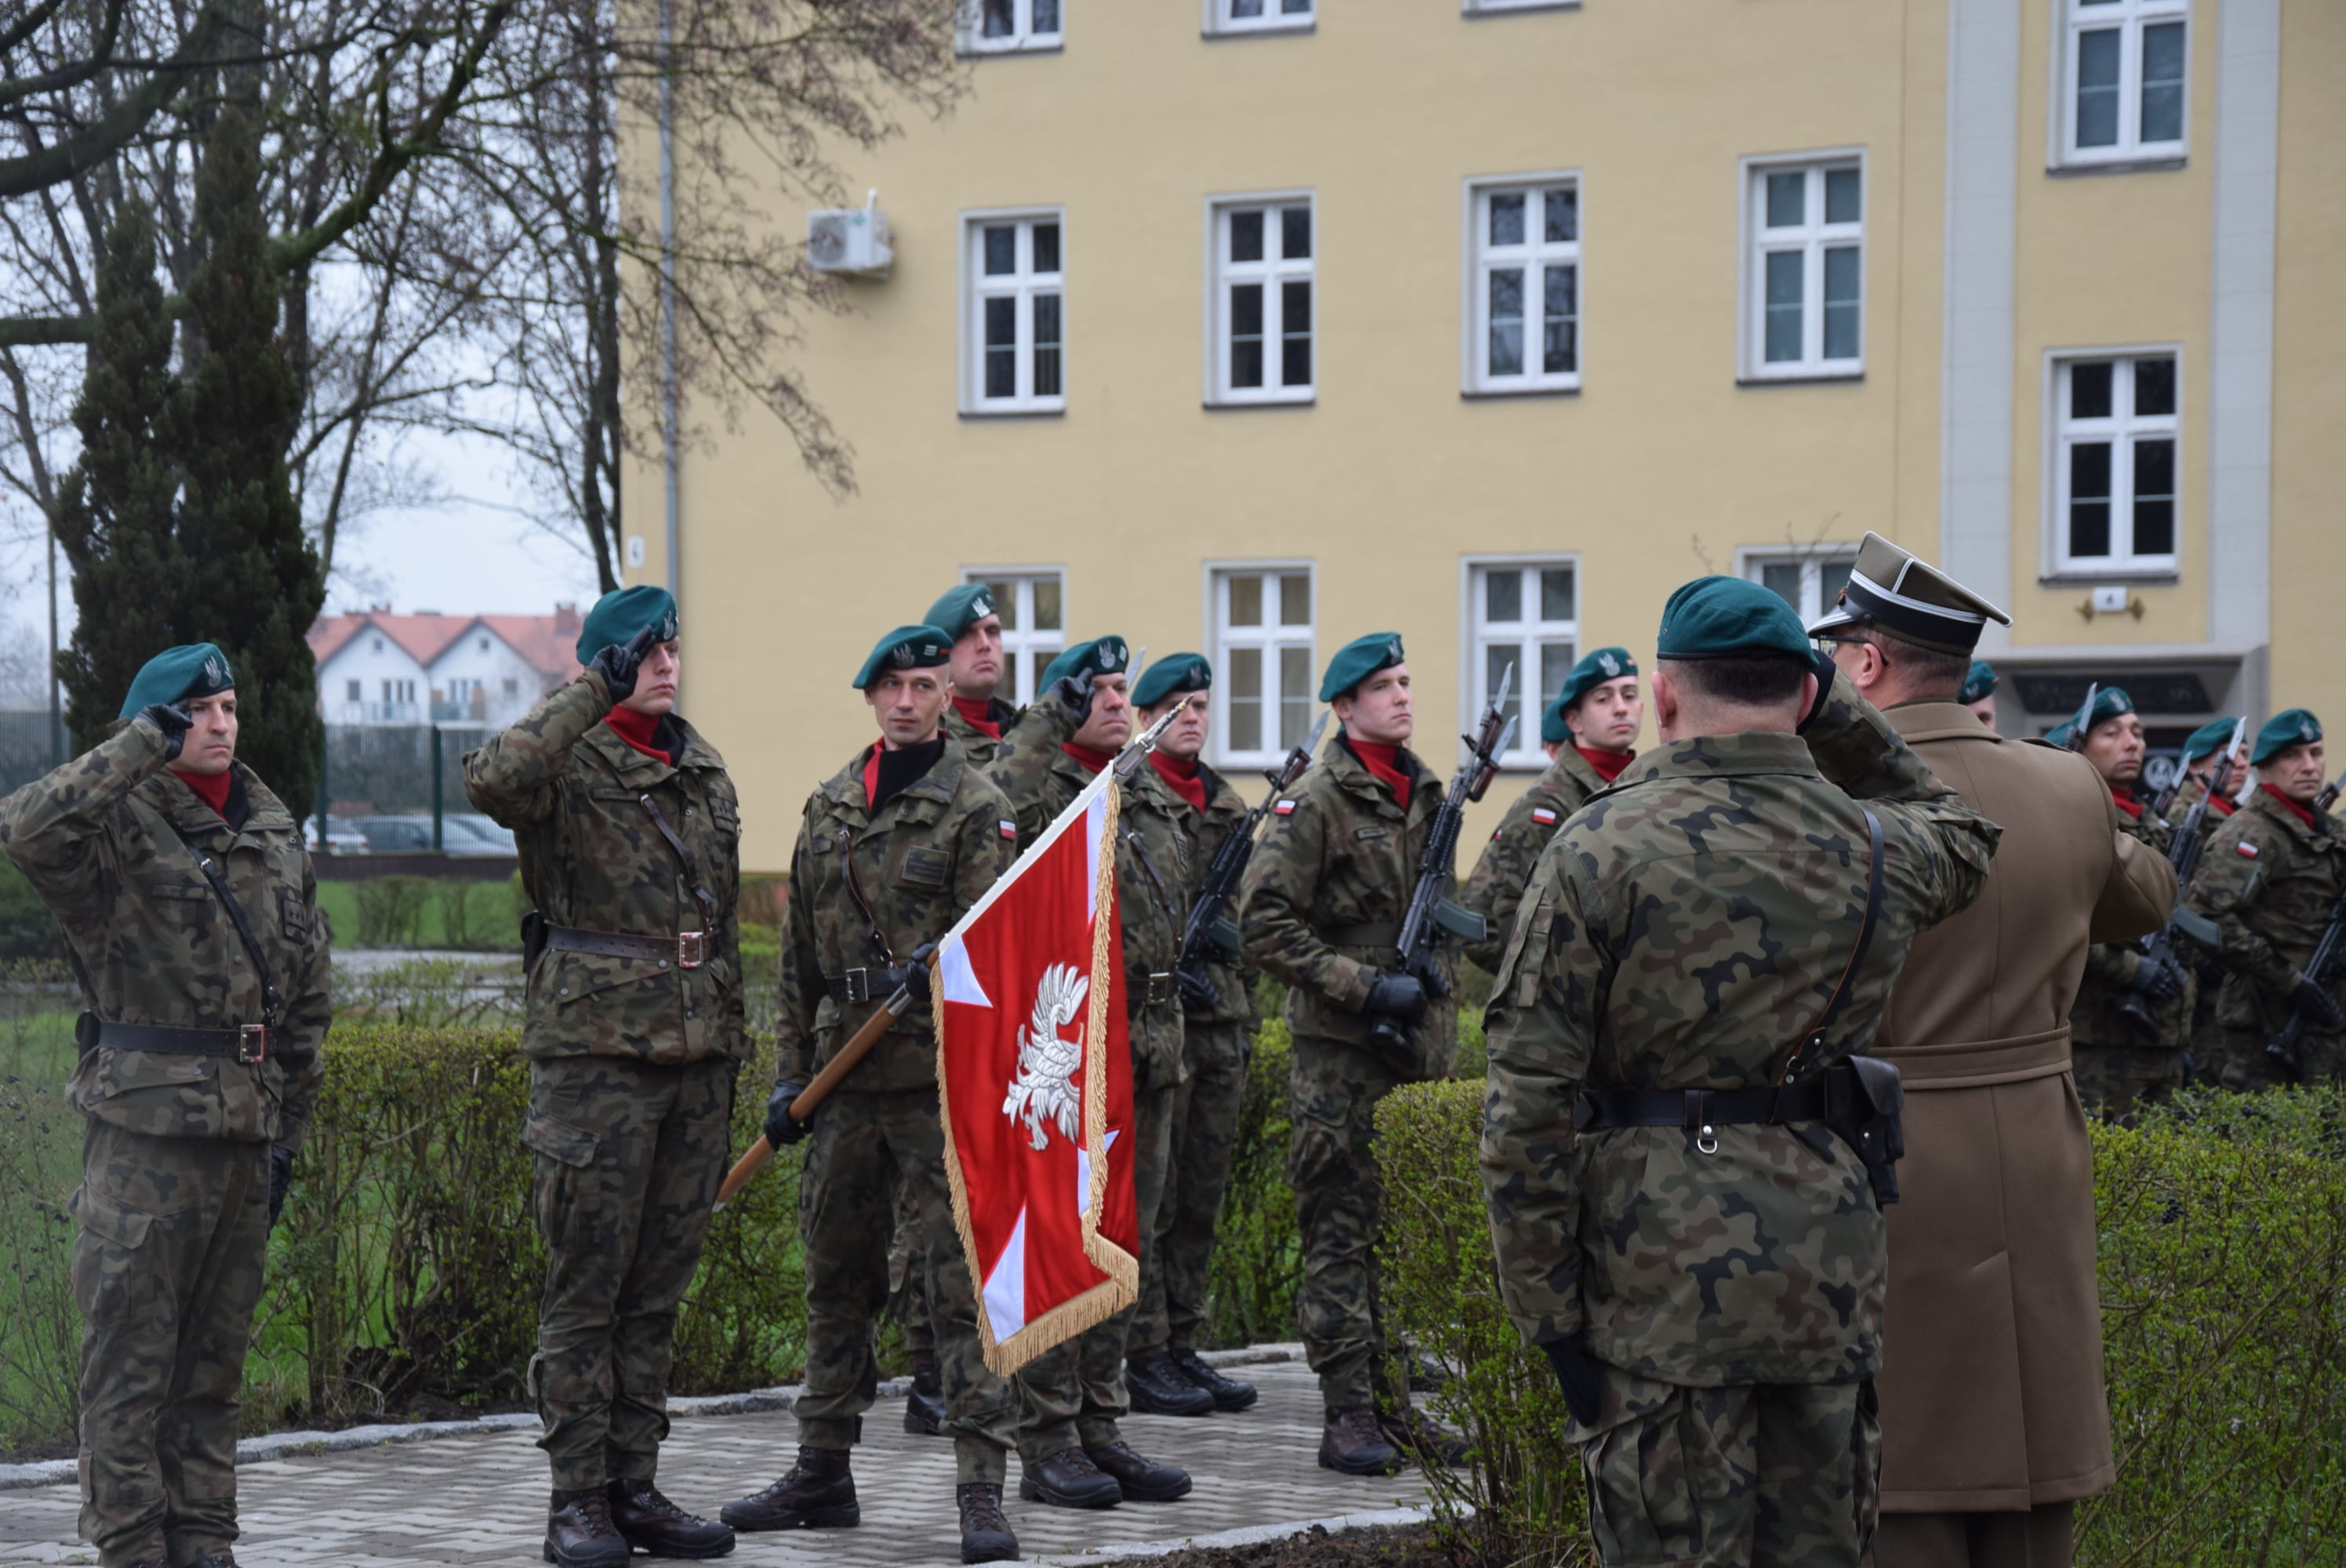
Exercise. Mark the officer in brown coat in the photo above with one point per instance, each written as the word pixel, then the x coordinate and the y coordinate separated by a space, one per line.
pixel 1994 1417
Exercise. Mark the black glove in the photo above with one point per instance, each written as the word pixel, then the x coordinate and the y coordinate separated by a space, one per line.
pixel 617 665
pixel 2316 1004
pixel 280 1180
pixel 1076 691
pixel 1821 660
pixel 1198 992
pixel 2159 979
pixel 916 971
pixel 782 1129
pixel 1576 1374
pixel 172 720
pixel 1397 996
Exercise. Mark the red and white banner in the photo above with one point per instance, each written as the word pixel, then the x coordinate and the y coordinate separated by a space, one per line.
pixel 1035 1063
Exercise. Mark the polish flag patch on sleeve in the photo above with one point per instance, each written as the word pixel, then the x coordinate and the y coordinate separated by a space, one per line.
pixel 1543 816
pixel 1284 808
pixel 1009 829
pixel 2248 850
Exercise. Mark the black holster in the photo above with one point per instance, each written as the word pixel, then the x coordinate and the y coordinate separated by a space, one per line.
pixel 1867 1106
pixel 532 941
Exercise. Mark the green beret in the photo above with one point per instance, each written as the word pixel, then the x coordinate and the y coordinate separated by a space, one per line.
pixel 2208 738
pixel 1604 665
pixel 619 615
pixel 1101 656
pixel 1554 730
pixel 1357 660
pixel 961 608
pixel 193 670
pixel 2059 734
pixel 1182 672
pixel 906 647
pixel 1715 617
pixel 2110 702
pixel 1980 685
pixel 2295 727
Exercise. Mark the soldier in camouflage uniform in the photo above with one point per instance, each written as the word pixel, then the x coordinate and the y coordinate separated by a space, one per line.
pixel 2131 1024
pixel 629 834
pixel 1321 909
pixel 2271 879
pixel 1707 1278
pixel 891 852
pixel 1072 1450
pixel 200 1068
pixel 2201 752
pixel 1163 1371
pixel 977 719
pixel 1588 732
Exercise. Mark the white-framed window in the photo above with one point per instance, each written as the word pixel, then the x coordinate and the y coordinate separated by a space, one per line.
pixel 1014 319
pixel 351 692
pixel 398 691
pixel 1499 7
pixel 1804 289
pixel 1264 308
pixel 2124 75
pixel 1260 15
pixel 1032 604
pixel 2116 463
pixel 1010 26
pixel 1523 285
pixel 1809 579
pixel 1264 680
pixel 1524 613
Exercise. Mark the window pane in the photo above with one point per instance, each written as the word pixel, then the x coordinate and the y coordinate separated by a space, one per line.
pixel 1507 337
pixel 1556 594
pixel 1295 693
pixel 1046 345
pixel 1503 595
pixel 2089 389
pixel 2089 506
pixel 998 20
pixel 1005 595
pixel 1294 600
pixel 1556 663
pixel 1783 324
pixel 1496 658
pixel 2154 497
pixel 2162 82
pixel 1241 9
pixel 2097 88
pixel 1782 578
pixel 1508 218
pixel 1246 234
pixel 1559 335
pixel 2154 386
pixel 1295 8
pixel 1832 576
pixel 1246 698
pixel 1046 603
pixel 1246 601
pixel 1840 302
pixel 1047 248
pixel 1295 334
pixel 1788 200
pixel 1001 249
pixel 1002 347
pixel 1246 334
pixel 1046 15
pixel 1842 196
pixel 1563 215
pixel 1295 233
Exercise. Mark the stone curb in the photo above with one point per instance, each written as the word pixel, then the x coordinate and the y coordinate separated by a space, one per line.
pixel 290 1445
pixel 1249 1535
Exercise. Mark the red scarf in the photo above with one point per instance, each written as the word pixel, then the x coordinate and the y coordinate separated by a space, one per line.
pixel 2223 805
pixel 1608 764
pixel 2302 813
pixel 211 789
pixel 2126 803
pixel 1383 762
pixel 979 711
pixel 1093 762
pixel 871 773
pixel 1183 778
pixel 638 729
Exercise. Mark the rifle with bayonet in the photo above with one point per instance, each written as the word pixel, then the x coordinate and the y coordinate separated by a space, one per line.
pixel 1211 935
pixel 2183 854
pixel 1429 913
pixel 2076 739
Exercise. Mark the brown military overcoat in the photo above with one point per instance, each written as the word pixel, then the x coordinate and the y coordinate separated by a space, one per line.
pixel 1991 1396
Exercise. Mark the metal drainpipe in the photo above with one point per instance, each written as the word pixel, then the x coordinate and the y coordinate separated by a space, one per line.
pixel 668 301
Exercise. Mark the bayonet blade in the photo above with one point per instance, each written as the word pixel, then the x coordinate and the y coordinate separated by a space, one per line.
pixel 1506 685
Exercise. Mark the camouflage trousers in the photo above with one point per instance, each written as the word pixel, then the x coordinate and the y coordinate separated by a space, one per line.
pixel 908 1279
pixel 2248 1066
pixel 1073 1395
pixel 863 1147
pixel 629 1155
pixel 1203 1139
pixel 2116 1081
pixel 1332 1094
pixel 167 1268
pixel 1767 1475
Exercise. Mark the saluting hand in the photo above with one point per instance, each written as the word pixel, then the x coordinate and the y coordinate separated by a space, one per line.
pixel 617 665
pixel 1076 691
pixel 172 718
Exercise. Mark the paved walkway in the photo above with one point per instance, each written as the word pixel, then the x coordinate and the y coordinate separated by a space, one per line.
pixel 481 1499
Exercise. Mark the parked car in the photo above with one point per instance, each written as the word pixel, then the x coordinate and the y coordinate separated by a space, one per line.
pixel 341 839
pixel 471 834
pixel 395 835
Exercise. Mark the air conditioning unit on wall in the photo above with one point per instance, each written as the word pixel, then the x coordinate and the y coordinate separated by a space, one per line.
pixel 850 240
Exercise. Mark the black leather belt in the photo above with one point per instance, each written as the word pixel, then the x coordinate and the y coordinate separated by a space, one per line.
pixel 865 984
pixel 1158 990
pixel 1698 1110
pixel 247 1043
pixel 686 950
pixel 1370 934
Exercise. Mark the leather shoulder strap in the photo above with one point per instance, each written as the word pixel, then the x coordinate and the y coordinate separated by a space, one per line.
pixel 1813 1038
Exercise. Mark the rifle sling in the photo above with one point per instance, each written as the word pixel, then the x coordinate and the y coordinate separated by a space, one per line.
pixel 272 1005
pixel 1814 1036
pixel 683 857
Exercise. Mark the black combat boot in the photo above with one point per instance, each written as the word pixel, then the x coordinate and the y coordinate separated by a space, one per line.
pixel 1352 1444
pixel 579 1532
pixel 1140 1479
pixel 1068 1479
pixel 924 1401
pixel 984 1534
pixel 1228 1393
pixel 654 1524
pixel 1422 1439
pixel 819 1493
pixel 1157 1388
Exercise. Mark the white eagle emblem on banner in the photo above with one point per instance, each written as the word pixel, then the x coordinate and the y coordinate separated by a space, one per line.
pixel 1041 1093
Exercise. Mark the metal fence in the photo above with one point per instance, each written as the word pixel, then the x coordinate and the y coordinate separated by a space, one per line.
pixel 28 748
pixel 396 769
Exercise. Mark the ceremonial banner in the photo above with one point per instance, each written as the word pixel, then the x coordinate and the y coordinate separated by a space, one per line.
pixel 1034 1065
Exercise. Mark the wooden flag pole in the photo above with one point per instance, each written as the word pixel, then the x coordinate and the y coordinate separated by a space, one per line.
pixel 813 1095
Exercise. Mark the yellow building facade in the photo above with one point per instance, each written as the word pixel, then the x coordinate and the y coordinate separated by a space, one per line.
pixel 1249 326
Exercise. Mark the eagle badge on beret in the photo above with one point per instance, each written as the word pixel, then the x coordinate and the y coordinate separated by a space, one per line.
pixel 213 674
pixel 2305 732
pixel 1393 650
pixel 980 607
pixel 1607 662
pixel 901 656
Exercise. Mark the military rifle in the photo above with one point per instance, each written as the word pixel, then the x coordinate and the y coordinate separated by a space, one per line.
pixel 2183 854
pixel 2329 795
pixel 1429 913
pixel 2320 970
pixel 2076 741
pixel 1211 926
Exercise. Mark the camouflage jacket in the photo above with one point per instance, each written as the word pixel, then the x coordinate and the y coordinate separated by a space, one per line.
pixel 1497 885
pixel 1226 814
pixel 1153 872
pixel 2099 1016
pixel 2187 795
pixel 975 744
pixel 2268 883
pixel 100 839
pixel 1324 896
pixel 928 854
pixel 1687 930
pixel 592 860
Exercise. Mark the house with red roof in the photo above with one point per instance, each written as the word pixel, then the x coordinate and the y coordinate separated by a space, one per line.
pixel 424 668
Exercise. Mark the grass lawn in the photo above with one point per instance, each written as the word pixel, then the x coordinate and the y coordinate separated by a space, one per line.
pixel 489 915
